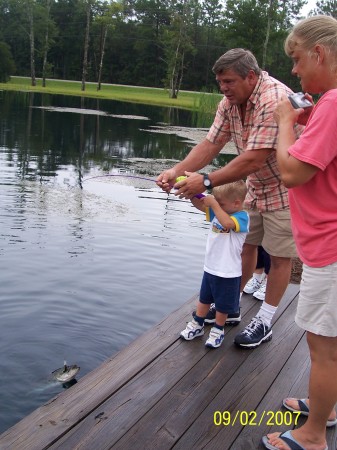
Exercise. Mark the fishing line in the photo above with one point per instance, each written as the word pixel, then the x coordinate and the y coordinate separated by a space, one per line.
pixel 132 176
pixel 121 175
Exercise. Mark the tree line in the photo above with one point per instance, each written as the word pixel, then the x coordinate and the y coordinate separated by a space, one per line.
pixel 157 43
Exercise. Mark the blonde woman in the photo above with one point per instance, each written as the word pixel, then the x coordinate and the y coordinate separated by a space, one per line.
pixel 308 168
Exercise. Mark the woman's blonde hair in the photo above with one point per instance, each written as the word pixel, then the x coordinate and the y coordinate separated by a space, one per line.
pixel 232 191
pixel 314 30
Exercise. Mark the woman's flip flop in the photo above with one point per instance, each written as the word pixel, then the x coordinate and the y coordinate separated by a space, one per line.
pixel 303 408
pixel 288 438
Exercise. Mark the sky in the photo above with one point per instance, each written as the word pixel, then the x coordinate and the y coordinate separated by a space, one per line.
pixel 308 7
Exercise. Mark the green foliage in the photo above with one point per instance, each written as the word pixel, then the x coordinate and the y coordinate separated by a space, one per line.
pixel 150 42
pixel 245 21
pixel 7 66
pixel 328 7
pixel 177 46
pixel 204 108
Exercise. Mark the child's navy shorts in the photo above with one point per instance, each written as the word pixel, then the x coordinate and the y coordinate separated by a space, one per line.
pixel 224 292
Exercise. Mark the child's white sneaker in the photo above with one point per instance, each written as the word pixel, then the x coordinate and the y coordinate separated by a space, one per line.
pixel 215 338
pixel 192 330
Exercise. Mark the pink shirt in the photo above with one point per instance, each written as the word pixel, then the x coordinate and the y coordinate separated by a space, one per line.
pixel 313 205
pixel 266 191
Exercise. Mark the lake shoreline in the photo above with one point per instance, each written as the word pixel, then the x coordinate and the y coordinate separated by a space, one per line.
pixel 188 100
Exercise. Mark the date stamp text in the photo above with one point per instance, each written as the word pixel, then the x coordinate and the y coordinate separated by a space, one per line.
pixel 252 418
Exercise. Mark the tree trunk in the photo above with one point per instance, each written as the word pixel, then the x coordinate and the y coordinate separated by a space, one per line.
pixel 45 53
pixel 32 45
pixel 86 47
pixel 266 41
pixel 181 72
pixel 103 40
pixel 175 72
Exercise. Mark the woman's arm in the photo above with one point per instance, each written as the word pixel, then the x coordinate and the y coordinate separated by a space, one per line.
pixel 293 171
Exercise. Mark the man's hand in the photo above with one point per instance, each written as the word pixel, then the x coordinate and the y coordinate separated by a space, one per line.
pixel 167 179
pixel 192 185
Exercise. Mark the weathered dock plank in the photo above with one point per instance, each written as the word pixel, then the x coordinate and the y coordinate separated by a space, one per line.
pixel 126 407
pixel 203 388
pixel 47 423
pixel 161 392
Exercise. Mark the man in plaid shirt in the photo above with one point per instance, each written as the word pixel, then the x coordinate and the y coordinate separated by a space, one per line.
pixel 245 116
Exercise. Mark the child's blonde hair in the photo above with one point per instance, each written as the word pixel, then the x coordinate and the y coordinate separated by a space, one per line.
pixel 233 191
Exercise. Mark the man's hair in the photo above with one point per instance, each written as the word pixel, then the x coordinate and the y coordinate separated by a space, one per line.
pixel 239 60
pixel 232 191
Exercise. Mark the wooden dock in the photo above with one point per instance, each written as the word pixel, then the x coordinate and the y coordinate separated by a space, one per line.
pixel 161 392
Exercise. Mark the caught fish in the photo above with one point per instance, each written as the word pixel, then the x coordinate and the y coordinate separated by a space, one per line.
pixel 66 373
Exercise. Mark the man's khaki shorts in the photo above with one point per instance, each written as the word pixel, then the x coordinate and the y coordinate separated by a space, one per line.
pixel 317 306
pixel 272 230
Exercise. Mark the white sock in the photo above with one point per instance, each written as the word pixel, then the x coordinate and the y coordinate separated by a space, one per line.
pixel 259 276
pixel 267 313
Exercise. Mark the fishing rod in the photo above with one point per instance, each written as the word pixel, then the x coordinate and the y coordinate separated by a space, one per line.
pixel 139 178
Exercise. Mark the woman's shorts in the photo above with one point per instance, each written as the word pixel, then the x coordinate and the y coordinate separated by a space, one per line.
pixel 317 303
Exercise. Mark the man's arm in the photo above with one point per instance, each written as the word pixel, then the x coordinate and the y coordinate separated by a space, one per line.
pixel 241 166
pixel 200 155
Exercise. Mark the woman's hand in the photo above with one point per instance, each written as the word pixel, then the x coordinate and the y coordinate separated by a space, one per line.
pixel 284 112
pixel 304 116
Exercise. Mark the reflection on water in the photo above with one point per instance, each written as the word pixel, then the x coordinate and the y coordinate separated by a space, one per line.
pixel 87 265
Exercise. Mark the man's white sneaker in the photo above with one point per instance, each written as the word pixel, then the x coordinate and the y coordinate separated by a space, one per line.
pixel 192 330
pixel 260 294
pixel 253 285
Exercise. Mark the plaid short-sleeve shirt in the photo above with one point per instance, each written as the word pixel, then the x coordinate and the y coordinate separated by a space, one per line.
pixel 266 191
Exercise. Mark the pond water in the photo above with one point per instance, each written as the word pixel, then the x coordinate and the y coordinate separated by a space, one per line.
pixel 87 264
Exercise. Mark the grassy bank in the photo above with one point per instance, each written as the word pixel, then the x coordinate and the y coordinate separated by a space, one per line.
pixel 149 96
